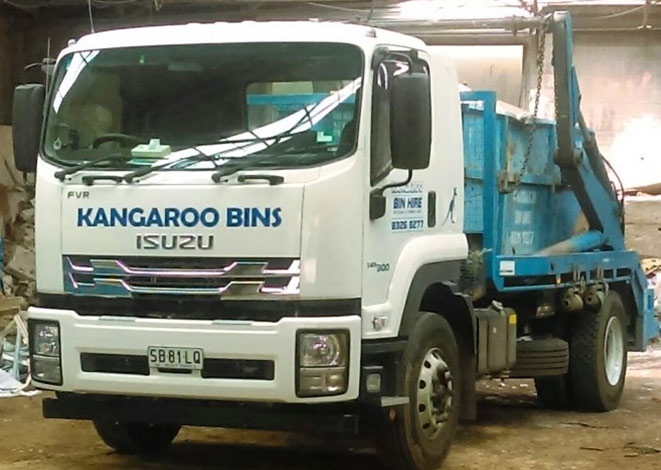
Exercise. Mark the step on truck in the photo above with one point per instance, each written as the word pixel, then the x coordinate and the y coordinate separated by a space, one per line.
pixel 305 226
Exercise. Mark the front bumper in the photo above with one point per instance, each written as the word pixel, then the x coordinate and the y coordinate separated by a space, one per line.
pixel 234 340
pixel 348 419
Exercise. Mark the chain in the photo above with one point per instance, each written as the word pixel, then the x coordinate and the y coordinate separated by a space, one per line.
pixel 541 49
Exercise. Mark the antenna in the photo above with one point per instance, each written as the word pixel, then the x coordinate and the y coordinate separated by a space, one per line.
pixel 89 9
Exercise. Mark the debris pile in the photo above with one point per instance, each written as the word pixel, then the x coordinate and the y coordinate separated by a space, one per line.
pixel 18 286
pixel 14 358
pixel 18 261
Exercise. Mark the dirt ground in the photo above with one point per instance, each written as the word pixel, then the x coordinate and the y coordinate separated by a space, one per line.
pixel 512 433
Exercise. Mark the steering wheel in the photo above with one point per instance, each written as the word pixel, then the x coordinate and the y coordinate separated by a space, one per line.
pixel 124 140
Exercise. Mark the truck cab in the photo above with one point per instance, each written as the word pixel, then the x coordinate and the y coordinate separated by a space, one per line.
pixel 259 225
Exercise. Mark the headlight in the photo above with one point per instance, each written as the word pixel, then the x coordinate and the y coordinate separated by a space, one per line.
pixel 322 363
pixel 46 339
pixel 45 359
pixel 323 350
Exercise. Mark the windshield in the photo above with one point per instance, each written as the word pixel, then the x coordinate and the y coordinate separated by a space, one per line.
pixel 295 101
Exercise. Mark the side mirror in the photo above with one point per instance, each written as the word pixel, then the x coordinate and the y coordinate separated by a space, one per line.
pixel 27 120
pixel 410 124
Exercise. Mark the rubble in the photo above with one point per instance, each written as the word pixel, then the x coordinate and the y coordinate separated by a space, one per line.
pixel 10 306
pixel 14 358
pixel 7 285
pixel 18 285
pixel 27 215
pixel 22 264
pixel 18 260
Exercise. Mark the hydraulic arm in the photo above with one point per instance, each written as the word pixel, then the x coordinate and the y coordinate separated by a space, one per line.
pixel 581 163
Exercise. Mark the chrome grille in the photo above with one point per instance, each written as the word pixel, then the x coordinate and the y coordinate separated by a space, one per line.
pixel 226 278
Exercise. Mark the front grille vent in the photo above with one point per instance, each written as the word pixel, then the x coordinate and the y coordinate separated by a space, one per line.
pixel 216 277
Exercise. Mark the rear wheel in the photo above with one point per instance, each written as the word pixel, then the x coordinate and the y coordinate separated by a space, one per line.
pixel 136 438
pixel 598 356
pixel 419 435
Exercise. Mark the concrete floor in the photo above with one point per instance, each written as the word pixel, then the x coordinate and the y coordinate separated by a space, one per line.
pixel 512 433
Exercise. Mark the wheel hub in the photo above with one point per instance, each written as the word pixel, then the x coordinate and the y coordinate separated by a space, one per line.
pixel 614 350
pixel 435 390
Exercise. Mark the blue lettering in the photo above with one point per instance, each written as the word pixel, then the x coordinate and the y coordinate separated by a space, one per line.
pixel 190 217
pixel 140 222
pixel 209 217
pixel 414 203
pixel 264 219
pixel 234 217
pixel 118 217
pixel 101 218
pixel 398 203
pixel 84 217
pixel 277 220
pixel 154 218
pixel 171 217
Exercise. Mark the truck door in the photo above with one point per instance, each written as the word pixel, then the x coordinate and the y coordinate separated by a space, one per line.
pixel 423 220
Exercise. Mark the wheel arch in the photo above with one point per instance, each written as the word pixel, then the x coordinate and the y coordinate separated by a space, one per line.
pixel 434 289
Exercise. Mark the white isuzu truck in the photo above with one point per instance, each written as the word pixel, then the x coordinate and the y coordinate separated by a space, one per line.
pixel 304 226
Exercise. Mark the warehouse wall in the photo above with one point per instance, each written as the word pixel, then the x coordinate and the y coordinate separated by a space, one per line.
pixel 620 79
pixel 11 61
pixel 5 69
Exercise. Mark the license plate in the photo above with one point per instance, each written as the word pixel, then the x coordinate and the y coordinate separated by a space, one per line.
pixel 163 357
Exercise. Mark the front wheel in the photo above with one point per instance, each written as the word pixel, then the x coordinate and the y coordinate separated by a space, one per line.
pixel 136 438
pixel 418 437
pixel 598 356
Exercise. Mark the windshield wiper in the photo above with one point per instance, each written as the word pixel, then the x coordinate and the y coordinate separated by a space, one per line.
pixel 232 167
pixel 112 158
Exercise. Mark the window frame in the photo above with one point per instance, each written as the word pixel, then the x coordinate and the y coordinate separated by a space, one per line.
pixel 60 71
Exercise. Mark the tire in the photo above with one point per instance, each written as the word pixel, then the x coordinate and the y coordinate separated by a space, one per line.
pixel 411 441
pixel 136 438
pixel 554 393
pixel 596 375
pixel 541 358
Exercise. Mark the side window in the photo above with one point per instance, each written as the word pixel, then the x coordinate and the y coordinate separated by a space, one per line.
pixel 380 164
